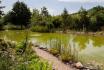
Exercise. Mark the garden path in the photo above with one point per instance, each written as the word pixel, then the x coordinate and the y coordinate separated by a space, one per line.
pixel 56 63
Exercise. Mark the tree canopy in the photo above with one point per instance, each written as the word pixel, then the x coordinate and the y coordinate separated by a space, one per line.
pixel 83 20
pixel 19 15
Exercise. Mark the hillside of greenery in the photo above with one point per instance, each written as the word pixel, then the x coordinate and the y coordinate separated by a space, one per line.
pixel 20 17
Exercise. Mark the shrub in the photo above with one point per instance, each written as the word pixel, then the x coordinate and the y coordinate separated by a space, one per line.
pixel 26 59
pixel 6 54
pixel 39 28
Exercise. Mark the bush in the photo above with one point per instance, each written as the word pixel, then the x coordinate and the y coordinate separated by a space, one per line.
pixel 39 28
pixel 10 26
pixel 26 59
pixel 6 54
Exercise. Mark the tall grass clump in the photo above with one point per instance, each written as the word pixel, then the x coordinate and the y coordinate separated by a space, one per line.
pixel 69 53
pixel 55 46
pixel 66 52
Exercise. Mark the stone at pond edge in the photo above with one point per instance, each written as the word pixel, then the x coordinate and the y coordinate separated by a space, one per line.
pixel 79 65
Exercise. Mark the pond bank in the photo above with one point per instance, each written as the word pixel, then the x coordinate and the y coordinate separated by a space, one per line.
pixel 100 33
pixel 57 64
pixel 60 65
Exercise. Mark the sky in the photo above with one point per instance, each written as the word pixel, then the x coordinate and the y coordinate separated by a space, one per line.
pixel 55 7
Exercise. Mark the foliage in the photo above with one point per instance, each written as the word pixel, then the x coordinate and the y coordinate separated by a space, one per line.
pixel 28 60
pixel 19 15
pixel 6 54
pixel 83 20
pixel 55 46
pixel 39 29
pixel 20 57
pixel 1 12
pixel 41 22
pixel 65 19
pixel 66 55
pixel 57 22
pixel 65 52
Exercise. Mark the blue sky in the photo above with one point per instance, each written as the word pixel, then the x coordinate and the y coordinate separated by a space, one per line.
pixel 55 7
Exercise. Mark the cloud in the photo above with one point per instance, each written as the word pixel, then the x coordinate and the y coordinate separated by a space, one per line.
pixel 81 0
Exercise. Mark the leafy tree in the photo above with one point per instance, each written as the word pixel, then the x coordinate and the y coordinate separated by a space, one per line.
pixel 56 22
pixel 1 13
pixel 20 14
pixel 97 21
pixel 44 11
pixel 35 18
pixel 46 19
pixel 96 16
pixel 65 19
pixel 41 20
pixel 84 20
pixel 75 25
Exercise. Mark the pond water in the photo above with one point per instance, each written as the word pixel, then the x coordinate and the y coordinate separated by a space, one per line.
pixel 91 48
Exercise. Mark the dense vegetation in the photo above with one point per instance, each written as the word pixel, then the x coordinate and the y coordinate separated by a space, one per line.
pixel 20 56
pixel 20 17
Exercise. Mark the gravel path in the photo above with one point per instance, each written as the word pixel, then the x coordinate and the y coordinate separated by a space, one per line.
pixel 57 64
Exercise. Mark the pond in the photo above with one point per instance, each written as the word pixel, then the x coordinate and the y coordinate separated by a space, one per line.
pixel 91 48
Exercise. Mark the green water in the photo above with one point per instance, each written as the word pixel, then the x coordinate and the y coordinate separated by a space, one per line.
pixel 92 53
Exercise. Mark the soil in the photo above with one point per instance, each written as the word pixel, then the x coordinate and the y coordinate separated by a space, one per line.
pixel 56 63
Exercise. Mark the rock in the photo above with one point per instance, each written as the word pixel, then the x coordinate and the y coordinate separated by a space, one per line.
pixel 79 65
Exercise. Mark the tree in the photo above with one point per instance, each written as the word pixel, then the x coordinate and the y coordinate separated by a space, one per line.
pixel 35 18
pixel 65 19
pixel 75 25
pixel 20 14
pixel 96 16
pixel 46 18
pixel 44 11
pixel 84 20
pixel 56 22
pixel 97 21
pixel 1 13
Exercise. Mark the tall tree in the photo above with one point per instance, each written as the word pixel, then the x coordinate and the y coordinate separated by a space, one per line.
pixel 44 11
pixel 65 19
pixel 35 18
pixel 20 14
pixel 84 20
pixel 1 12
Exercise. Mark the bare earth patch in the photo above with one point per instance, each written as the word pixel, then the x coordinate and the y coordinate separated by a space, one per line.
pixel 57 64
